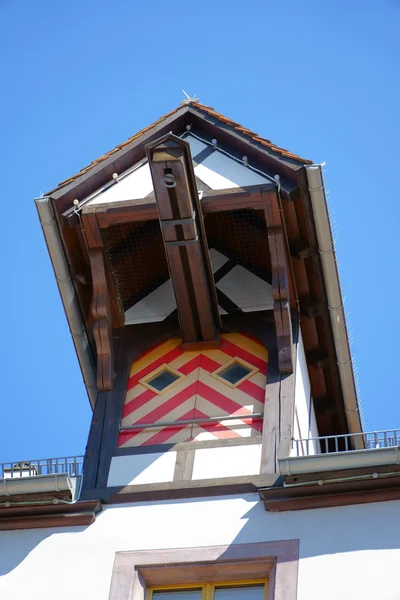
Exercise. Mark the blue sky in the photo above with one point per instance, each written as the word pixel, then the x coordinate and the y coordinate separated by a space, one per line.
pixel 78 77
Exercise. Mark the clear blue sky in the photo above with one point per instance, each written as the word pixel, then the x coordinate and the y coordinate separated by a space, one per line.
pixel 78 77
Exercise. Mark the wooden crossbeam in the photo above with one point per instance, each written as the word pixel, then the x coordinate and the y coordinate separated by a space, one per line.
pixel 126 211
pixel 183 232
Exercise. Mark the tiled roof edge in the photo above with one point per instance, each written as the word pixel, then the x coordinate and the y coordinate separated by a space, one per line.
pixel 208 110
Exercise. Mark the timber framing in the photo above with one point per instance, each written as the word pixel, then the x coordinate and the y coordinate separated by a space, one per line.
pixel 185 242
pixel 101 303
pixel 306 287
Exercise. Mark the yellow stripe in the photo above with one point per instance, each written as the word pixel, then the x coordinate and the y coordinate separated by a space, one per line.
pixel 247 344
pixel 220 357
pixel 158 352
pixel 187 356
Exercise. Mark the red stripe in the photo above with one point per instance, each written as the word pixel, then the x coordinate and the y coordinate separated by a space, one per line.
pixel 233 350
pixel 229 406
pixel 166 358
pixel 166 407
pixel 162 436
pixel 208 364
pixel 253 390
pixel 137 402
pixel 190 366
pixel 218 429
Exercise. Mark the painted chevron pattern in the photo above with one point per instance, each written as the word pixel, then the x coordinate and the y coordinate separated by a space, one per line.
pixel 197 394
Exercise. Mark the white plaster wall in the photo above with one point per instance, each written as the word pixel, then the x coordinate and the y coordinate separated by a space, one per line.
pixel 305 424
pixel 142 468
pixel 347 552
pixel 229 461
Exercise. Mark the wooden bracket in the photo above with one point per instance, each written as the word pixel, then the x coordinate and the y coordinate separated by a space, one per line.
pixel 101 305
pixel 280 280
pixel 309 308
pixel 182 227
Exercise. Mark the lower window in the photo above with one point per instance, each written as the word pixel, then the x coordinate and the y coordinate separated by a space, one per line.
pixel 249 590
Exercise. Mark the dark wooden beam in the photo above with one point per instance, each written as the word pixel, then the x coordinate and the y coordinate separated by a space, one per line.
pixel 301 250
pixel 125 211
pixel 280 281
pixel 318 360
pixel 101 311
pixel 310 308
pixel 183 232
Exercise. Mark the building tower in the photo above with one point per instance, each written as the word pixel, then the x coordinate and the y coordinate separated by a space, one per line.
pixel 207 334
pixel 197 270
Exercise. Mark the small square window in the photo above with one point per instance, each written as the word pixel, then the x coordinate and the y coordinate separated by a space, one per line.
pixel 235 372
pixel 161 379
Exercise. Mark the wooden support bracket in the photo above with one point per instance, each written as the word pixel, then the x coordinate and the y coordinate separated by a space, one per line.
pixel 280 280
pixel 101 304
pixel 182 227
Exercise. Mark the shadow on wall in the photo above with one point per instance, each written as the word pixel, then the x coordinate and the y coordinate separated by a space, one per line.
pixel 15 546
pixel 326 531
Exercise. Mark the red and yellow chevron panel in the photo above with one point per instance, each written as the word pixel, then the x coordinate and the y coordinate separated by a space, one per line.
pixel 168 387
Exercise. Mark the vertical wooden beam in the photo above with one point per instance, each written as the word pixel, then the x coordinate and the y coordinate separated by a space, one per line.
pixel 280 280
pixel 183 231
pixel 101 305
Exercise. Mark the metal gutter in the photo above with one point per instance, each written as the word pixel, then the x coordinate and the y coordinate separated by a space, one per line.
pixel 68 295
pixel 35 485
pixel 335 300
pixel 353 459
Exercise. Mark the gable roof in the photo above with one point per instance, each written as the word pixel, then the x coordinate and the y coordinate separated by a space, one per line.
pixel 251 135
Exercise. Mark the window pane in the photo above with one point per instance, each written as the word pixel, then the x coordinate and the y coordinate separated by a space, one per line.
pixel 162 380
pixel 177 595
pixel 234 373
pixel 255 592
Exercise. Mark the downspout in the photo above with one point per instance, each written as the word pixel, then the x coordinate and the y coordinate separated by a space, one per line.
pixel 335 301
pixel 68 295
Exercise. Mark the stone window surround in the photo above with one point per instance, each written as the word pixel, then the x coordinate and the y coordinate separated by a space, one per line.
pixel 134 572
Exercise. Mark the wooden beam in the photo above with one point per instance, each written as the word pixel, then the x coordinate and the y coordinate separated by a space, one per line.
pixel 280 281
pixel 301 250
pixel 182 227
pixel 126 211
pixel 309 308
pixel 101 304
pixel 318 360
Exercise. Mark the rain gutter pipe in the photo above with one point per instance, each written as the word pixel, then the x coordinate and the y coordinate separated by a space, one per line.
pixel 68 295
pixel 334 295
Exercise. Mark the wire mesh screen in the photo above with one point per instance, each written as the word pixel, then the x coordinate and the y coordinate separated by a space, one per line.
pixel 137 258
pixel 242 236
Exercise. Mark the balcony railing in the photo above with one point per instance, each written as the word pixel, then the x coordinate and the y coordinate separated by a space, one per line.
pixel 344 443
pixel 71 465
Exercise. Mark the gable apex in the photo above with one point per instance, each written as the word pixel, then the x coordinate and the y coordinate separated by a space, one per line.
pixel 195 108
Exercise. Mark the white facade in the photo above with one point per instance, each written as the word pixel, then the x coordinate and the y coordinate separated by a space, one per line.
pixel 305 424
pixel 346 552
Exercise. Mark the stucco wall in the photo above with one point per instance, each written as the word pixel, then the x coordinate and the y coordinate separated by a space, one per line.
pixel 349 552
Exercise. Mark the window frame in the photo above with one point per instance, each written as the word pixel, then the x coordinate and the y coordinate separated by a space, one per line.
pixel 135 572
pixel 235 359
pixel 208 588
pixel 164 367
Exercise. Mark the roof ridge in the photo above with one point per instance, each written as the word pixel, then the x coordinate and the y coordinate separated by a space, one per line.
pixel 196 104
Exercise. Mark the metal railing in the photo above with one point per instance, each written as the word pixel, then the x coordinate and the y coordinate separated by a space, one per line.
pixel 72 465
pixel 347 442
